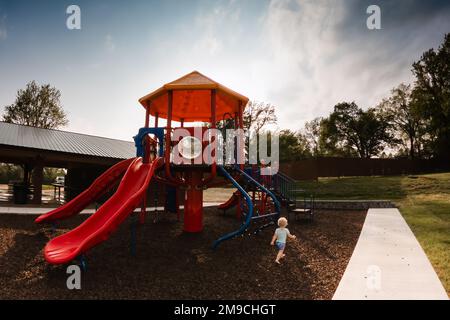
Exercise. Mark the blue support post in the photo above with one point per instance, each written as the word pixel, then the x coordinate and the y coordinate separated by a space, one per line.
pixel 53 227
pixel 133 238
pixel 82 262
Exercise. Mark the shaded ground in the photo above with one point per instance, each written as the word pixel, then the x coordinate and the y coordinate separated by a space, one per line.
pixel 172 265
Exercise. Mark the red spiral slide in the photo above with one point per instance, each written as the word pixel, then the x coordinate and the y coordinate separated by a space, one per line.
pixel 95 190
pixel 98 227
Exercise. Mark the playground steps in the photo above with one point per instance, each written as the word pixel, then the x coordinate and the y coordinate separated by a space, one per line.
pixel 287 193
pixel 301 210
pixel 297 212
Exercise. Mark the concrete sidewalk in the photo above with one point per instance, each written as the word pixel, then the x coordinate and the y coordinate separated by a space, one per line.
pixel 42 210
pixel 388 263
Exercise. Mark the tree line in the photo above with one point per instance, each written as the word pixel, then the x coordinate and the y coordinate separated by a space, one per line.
pixel 414 121
pixel 10 173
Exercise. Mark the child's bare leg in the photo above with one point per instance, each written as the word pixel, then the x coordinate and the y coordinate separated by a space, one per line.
pixel 279 256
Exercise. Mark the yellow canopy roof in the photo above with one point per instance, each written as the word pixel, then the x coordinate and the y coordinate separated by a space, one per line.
pixel 192 99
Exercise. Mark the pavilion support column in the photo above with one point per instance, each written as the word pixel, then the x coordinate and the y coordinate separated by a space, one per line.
pixel 26 174
pixel 37 179
pixel 68 183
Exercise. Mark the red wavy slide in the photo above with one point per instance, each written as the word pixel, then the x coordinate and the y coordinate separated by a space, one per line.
pixel 230 202
pixel 98 227
pixel 95 191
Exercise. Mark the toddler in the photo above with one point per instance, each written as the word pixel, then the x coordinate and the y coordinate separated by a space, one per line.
pixel 279 238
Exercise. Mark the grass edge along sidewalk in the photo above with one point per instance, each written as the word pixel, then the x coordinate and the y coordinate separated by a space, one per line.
pixel 423 200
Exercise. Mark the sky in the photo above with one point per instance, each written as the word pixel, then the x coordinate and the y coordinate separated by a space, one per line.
pixel 302 56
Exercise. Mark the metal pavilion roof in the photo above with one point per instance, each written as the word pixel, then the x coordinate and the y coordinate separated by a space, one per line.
pixel 63 141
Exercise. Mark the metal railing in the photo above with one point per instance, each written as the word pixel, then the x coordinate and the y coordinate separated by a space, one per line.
pixel 284 186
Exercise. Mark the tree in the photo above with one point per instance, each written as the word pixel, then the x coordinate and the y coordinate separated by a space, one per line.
pixel 37 106
pixel 311 133
pixel 350 128
pixel 407 124
pixel 293 146
pixel 432 95
pixel 257 115
pixel 329 143
pixel 9 172
pixel 50 174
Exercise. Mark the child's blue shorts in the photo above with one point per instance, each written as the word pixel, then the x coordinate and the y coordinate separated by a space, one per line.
pixel 280 245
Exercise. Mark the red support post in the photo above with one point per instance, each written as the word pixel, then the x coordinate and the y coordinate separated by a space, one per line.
pixel 239 207
pixel 193 206
pixel 147 115
pixel 168 142
pixel 213 126
pixel 143 210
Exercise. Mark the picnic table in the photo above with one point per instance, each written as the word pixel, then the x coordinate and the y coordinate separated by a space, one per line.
pixel 57 186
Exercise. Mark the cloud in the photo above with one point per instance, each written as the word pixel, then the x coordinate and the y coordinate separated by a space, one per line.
pixel 218 26
pixel 109 43
pixel 302 56
pixel 318 53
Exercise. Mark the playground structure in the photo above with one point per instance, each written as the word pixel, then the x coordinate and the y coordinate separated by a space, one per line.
pixel 192 98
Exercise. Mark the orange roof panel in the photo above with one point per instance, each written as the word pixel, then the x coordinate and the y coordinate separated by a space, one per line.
pixel 192 99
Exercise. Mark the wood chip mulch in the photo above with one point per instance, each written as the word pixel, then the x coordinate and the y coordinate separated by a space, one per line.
pixel 170 264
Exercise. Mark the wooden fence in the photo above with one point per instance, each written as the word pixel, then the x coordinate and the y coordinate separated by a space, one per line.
pixel 312 169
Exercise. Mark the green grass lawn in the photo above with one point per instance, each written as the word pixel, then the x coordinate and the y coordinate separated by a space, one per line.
pixel 424 201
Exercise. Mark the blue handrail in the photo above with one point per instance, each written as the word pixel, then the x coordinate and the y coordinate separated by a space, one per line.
pixel 264 189
pixel 248 216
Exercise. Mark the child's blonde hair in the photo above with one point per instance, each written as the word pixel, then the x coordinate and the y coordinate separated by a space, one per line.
pixel 282 222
